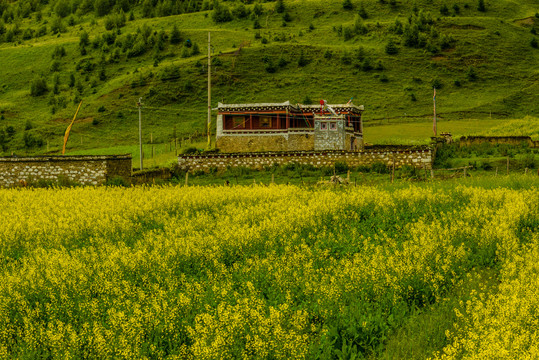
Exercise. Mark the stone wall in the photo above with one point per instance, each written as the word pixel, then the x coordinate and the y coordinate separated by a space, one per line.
pixel 420 157
pixel 285 141
pixel 86 170
pixel 507 140
pixel 327 137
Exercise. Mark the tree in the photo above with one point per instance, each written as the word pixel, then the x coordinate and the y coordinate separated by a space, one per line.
pixel 362 12
pixel 102 7
pixel 347 5
pixel 175 35
pixel 471 74
pixel 221 13
pixel 481 6
pixel 84 39
pixel 444 10
pixel 62 8
pixel 302 60
pixel 391 47
pixel 534 43
pixel 38 86
pixel 279 6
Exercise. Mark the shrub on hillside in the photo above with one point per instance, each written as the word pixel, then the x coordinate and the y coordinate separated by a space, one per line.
pixel 391 48
pixel 279 6
pixel 38 87
pixel 347 5
pixel 221 13
pixel 240 11
pixel 175 35
pixel 59 52
pixel 103 7
pixel 481 6
pixel 471 74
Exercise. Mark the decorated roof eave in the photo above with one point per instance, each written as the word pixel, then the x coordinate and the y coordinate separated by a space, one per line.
pixel 284 106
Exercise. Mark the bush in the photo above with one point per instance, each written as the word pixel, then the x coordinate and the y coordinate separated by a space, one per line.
pixel 302 60
pixel 528 161
pixel 444 10
pixel 391 48
pixel 279 6
pixel 175 35
pixel 481 6
pixel 410 172
pixel 221 13
pixel 534 43
pixel 380 168
pixel 471 74
pixel 347 5
pixel 437 83
pixel 59 52
pixel 328 54
pixel 190 150
pixel 341 167
pixel 38 87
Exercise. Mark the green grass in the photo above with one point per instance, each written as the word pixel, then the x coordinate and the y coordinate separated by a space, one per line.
pixel 495 44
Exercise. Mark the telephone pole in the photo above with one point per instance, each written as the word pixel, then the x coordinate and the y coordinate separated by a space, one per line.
pixel 209 90
pixel 139 105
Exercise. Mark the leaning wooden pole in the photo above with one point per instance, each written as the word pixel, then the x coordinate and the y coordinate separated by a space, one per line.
pixel 66 135
pixel 209 90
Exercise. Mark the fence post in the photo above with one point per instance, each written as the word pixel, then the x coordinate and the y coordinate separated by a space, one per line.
pixel 393 169
pixel 508 165
pixel 187 178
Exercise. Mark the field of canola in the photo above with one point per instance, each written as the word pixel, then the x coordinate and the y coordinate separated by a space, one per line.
pixel 254 272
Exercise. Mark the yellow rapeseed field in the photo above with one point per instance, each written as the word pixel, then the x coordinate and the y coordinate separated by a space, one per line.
pixel 256 272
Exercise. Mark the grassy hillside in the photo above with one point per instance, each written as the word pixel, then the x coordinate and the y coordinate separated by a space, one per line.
pixel 387 55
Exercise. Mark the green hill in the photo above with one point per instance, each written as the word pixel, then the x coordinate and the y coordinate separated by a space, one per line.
pixel 386 54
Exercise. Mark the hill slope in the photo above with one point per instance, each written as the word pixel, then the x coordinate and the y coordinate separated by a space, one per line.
pixel 387 55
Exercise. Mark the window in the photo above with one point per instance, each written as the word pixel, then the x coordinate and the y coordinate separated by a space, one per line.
pixel 265 122
pixel 238 122
pixel 323 126
pixel 332 126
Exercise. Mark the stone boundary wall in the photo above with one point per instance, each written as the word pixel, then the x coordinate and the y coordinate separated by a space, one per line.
pixel 418 158
pixel 84 169
pixel 507 140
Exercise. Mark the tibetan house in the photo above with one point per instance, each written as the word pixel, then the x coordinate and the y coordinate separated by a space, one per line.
pixel 287 127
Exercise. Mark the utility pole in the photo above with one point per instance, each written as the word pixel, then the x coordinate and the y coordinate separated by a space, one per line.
pixel 139 105
pixel 209 90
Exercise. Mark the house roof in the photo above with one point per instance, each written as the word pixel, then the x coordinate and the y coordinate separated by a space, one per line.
pixel 286 106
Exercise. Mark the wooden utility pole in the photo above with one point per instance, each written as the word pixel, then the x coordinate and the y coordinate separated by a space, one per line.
pixel 139 105
pixel 209 90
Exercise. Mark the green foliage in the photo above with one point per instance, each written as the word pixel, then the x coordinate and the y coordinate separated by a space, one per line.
pixel 38 87
pixel 391 48
pixel 347 5
pixel 62 8
pixel 279 6
pixel 444 10
pixel 221 13
pixel 534 44
pixel 481 6
pixel 302 60
pixel 471 74
pixel 103 7
pixel 175 35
